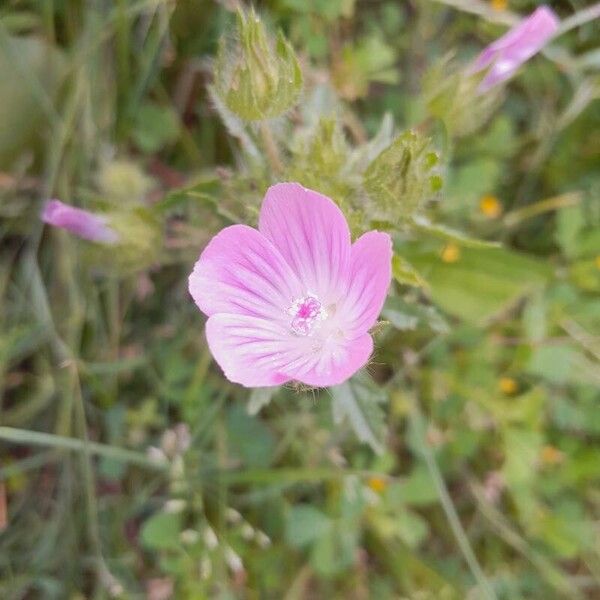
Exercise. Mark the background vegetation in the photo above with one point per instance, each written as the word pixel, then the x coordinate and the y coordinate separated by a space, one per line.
pixel 463 465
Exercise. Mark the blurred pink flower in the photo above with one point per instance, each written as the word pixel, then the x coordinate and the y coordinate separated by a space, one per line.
pixel 81 222
pixel 294 300
pixel 508 53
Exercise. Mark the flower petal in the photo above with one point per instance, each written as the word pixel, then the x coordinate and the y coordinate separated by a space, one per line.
pixel 80 222
pixel 519 44
pixel 334 364
pixel 370 276
pixel 241 272
pixel 311 233
pixel 256 352
pixel 248 349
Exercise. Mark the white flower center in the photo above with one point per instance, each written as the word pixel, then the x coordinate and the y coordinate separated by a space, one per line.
pixel 307 314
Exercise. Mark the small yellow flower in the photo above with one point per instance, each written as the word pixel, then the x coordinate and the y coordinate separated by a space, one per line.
pixel 499 4
pixel 450 253
pixel 490 206
pixel 597 262
pixel 508 385
pixel 378 484
pixel 551 455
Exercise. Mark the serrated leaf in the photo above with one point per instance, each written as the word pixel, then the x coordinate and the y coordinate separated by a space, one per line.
pixel 358 401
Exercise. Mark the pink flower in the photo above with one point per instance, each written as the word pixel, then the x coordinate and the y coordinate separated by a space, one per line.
pixel 81 222
pixel 294 300
pixel 509 52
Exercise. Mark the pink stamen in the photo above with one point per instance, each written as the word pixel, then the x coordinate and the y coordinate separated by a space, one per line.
pixel 307 312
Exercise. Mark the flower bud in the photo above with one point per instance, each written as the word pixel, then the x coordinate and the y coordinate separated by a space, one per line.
pixel 403 177
pixel 257 77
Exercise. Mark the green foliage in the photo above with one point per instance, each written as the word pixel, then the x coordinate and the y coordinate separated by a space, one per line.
pixel 155 127
pixel 462 463
pixel 451 95
pixel 31 72
pixel 305 525
pixel 161 531
pixel 358 401
pixel 369 61
pixel 479 283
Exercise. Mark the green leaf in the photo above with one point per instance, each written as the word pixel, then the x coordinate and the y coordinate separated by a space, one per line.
pixel 423 225
pixel 250 438
pixel 358 401
pixel 305 524
pixel 479 283
pixel 534 318
pixel 562 364
pixel 259 398
pixel 161 531
pixel 418 488
pixel 412 529
pixel 470 181
pixel 521 451
pixel 155 126
pixel 405 273
pixel 408 317
pixel 368 60
pixel 31 72
pixel 570 222
pixel 336 550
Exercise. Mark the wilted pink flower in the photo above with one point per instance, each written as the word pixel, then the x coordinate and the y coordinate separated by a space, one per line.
pixel 294 300
pixel 81 222
pixel 519 44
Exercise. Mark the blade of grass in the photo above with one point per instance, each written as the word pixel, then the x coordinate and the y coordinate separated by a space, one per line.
pixel 26 437
pixel 462 540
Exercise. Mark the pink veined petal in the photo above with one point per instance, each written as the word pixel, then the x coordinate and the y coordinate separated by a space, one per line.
pixel 520 43
pixel 312 235
pixel 80 222
pixel 370 276
pixel 248 349
pixel 241 272
pixel 256 352
pixel 335 364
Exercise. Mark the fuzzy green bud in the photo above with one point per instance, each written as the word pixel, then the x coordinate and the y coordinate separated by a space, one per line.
pixel 122 182
pixel 257 77
pixel 403 177
pixel 140 240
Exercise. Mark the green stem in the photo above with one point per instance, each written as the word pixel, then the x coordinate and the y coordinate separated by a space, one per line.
pixel 448 507
pixel 38 438
pixel 271 148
